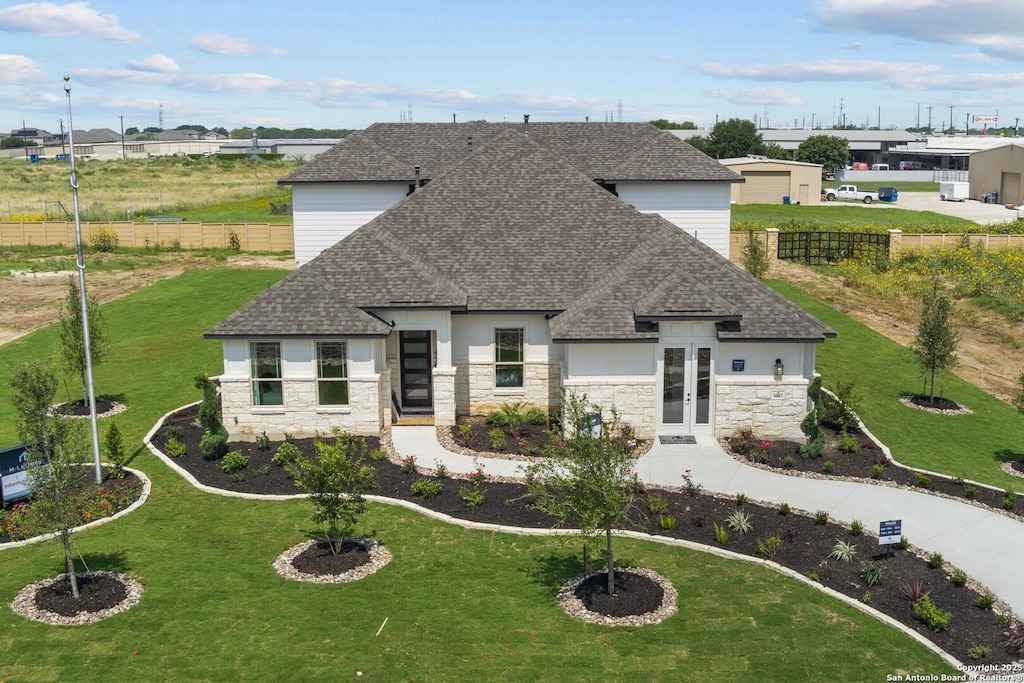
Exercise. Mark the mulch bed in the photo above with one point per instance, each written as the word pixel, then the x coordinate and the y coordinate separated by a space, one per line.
pixel 318 558
pixel 805 547
pixel 80 407
pixel 785 456
pixel 634 594
pixel 531 440
pixel 96 592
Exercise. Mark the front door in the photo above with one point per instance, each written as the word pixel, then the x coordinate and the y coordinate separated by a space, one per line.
pixel 416 362
pixel 685 385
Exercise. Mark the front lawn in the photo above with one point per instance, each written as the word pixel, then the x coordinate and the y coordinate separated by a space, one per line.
pixel 460 604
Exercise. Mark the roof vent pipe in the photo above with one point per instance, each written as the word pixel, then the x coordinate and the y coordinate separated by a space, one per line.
pixel 469 143
pixel 416 174
pixel 526 125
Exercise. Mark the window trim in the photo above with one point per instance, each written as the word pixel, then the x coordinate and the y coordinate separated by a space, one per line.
pixel 344 379
pixel 521 363
pixel 257 392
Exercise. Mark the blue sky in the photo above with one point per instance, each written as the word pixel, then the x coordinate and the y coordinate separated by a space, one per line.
pixel 343 64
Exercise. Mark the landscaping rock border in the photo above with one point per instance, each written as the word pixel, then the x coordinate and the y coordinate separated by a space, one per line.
pixel 379 557
pixel 962 410
pixel 575 608
pixel 24 602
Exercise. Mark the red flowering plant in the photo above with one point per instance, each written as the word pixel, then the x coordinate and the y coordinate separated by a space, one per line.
pixel 477 477
pixel 409 464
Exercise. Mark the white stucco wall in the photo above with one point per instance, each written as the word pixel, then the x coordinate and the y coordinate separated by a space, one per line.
pixel 325 213
pixel 620 376
pixel 701 209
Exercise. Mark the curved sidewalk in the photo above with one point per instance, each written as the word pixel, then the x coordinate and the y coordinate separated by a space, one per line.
pixel 989 546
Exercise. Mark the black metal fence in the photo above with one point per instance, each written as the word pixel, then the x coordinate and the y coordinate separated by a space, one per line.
pixel 823 248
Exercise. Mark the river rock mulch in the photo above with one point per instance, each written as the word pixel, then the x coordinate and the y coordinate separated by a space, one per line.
pixel 313 561
pixel 805 544
pixel 102 594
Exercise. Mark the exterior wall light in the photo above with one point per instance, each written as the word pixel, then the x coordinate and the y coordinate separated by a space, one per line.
pixel 779 368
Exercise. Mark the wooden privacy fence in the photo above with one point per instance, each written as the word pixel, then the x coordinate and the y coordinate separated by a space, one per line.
pixel 171 234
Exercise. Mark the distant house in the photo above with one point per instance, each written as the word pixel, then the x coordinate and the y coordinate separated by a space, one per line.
pixel 513 276
pixel 374 169
pixel 771 181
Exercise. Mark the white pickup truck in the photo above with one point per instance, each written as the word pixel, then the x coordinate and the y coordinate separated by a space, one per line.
pixel 849 192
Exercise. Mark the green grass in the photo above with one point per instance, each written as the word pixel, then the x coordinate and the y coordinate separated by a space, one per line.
pixel 972 446
pixel 250 211
pixel 461 605
pixel 852 217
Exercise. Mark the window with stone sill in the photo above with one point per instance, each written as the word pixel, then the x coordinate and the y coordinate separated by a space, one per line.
pixel 265 360
pixel 508 357
pixel 332 373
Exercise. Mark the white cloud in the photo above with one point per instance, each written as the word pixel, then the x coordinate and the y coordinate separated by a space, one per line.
pixel 158 63
pixel 209 83
pixel 220 44
pixel 993 26
pixel 853 46
pixel 759 96
pixel 19 69
pixel 76 18
pixel 825 70
pixel 978 82
pixel 973 57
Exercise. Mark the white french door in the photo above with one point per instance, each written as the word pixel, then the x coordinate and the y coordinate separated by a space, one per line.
pixel 685 388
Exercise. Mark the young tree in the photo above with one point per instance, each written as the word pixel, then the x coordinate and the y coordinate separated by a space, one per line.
pixel 336 482
pixel 587 480
pixel 828 150
pixel 71 344
pixel 755 256
pixel 937 336
pixel 58 450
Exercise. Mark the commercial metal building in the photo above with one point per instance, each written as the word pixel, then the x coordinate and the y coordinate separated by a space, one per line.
pixel 998 170
pixel 770 181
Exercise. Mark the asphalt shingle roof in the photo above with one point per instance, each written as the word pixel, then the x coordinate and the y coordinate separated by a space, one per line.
pixel 513 227
pixel 609 151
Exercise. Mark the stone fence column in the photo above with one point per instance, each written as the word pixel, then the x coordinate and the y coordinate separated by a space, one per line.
pixel 895 244
pixel 772 243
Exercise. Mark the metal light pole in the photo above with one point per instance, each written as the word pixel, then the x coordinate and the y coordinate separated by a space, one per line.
pixel 81 291
pixel 123 155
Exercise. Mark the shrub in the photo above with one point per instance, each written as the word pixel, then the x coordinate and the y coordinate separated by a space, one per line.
pixel 477 477
pixel 426 488
pixel 813 448
pixel 769 546
pixel 262 469
pixel 935 560
pixel 466 434
pixel 789 462
pixel 843 551
pixel 408 465
pixel 871 574
pixel 929 614
pixel 667 522
pixel 234 462
pixel 263 442
pixel 498 439
pixel 755 256
pixel 497 418
pixel 877 471
pixel 172 430
pixel 1009 500
pixel 784 509
pixel 114 445
pixel 440 470
pixel 286 454
pixel 959 577
pixel 721 535
pixel 214 445
pixel 904 543
pixel 848 443
pixel 536 416
pixel 978 652
pixel 913 590
pixel 847 404
pixel 969 492
pixel 866 598
pixel 856 527
pixel 690 486
pixel 828 467
pixel 472 496
pixel 986 600
pixel 656 504
pixel 1004 619
pixel 174 448
pixel 821 517
pixel 1015 641
pixel 378 454
pixel 741 499
pixel 739 521
pixel 923 481
pixel 104 240
pixel 234 243
pixel 813 576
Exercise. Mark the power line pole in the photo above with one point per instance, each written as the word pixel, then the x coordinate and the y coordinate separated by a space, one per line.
pixel 123 155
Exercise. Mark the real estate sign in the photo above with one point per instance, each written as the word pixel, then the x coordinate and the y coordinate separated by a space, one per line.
pixel 890 531
pixel 12 472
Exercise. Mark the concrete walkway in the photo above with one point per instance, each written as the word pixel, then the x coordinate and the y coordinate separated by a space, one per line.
pixel 987 545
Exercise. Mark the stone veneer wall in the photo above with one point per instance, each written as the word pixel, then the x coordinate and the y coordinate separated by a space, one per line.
pixel 444 396
pixel 634 400
pixel 772 409
pixel 300 415
pixel 475 393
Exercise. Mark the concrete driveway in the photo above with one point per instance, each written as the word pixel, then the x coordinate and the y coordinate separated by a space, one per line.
pixel 972 210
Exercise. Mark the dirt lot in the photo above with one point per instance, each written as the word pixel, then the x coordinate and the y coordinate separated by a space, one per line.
pixel 32 300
